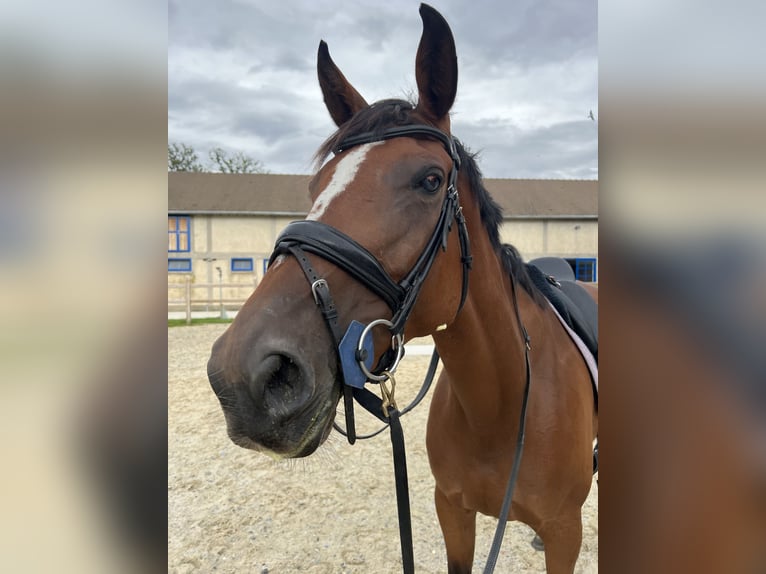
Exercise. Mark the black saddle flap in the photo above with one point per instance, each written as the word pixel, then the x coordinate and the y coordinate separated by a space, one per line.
pixel 584 313
pixel 572 302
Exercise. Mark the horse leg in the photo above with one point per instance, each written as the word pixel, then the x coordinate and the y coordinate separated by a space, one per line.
pixel 562 539
pixel 459 531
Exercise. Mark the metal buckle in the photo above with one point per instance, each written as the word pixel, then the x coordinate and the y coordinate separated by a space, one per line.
pixel 316 284
pixel 552 280
pixel 397 343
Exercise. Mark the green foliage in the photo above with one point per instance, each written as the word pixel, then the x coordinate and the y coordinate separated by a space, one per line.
pixel 234 163
pixel 182 157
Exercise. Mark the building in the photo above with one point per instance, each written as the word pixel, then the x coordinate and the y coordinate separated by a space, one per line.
pixel 222 227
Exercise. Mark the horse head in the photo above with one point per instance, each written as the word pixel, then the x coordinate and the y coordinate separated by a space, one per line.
pixel 388 196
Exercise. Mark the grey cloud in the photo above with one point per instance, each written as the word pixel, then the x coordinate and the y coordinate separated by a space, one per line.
pixel 525 32
pixel 283 122
pixel 566 150
pixel 269 127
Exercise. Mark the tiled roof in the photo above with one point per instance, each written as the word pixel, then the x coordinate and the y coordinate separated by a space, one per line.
pixel 288 194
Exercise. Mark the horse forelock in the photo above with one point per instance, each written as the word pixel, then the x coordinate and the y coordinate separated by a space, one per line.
pixel 376 119
pixel 386 114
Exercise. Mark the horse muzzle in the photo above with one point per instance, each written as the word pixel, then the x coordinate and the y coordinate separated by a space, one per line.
pixel 275 404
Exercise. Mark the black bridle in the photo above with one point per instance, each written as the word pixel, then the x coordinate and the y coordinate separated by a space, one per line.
pixel 317 238
pixel 302 237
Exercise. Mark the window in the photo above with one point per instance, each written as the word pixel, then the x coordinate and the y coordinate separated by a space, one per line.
pixel 178 233
pixel 241 264
pixel 179 265
pixel 584 269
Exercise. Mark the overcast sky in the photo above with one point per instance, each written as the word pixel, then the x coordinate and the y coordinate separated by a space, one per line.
pixel 242 76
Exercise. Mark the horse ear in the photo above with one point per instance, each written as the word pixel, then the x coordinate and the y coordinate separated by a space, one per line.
pixel 340 97
pixel 436 66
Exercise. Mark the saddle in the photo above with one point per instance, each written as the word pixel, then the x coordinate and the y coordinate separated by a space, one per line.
pixel 556 280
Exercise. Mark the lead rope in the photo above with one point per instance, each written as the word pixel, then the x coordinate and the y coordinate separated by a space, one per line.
pixel 387 411
pixel 384 408
pixel 497 541
pixel 402 491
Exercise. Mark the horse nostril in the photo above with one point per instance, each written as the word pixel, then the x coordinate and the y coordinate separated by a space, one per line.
pixel 279 382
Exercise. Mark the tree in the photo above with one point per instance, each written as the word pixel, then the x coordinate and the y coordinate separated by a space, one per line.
pixel 182 157
pixel 235 163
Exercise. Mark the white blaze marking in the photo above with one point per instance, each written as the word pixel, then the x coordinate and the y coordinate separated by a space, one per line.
pixel 345 172
pixel 277 262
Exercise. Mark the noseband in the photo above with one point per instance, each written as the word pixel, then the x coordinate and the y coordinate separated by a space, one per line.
pixel 302 237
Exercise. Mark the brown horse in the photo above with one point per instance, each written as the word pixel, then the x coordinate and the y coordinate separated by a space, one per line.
pixel 276 371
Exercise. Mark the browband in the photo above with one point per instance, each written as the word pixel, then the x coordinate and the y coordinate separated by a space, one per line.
pixel 402 131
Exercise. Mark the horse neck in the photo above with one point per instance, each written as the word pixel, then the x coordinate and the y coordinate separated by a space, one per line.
pixel 483 349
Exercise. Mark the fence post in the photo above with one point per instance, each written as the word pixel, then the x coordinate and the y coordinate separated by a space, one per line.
pixel 188 300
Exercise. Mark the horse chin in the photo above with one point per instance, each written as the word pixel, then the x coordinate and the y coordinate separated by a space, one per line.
pixel 281 445
pixel 317 432
pixel 310 444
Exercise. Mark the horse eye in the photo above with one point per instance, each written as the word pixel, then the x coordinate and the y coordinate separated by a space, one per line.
pixel 432 183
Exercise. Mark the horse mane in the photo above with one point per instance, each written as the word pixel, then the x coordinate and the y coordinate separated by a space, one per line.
pixel 492 217
pixel 386 114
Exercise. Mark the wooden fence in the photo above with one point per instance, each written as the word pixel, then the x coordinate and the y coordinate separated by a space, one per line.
pixel 190 296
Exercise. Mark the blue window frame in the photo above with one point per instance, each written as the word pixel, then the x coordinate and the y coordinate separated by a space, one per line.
pixel 585 268
pixel 179 236
pixel 241 264
pixel 179 265
pixel 265 266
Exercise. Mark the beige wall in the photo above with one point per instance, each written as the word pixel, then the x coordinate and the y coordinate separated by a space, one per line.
pixel 235 234
pixel 224 237
pixel 552 237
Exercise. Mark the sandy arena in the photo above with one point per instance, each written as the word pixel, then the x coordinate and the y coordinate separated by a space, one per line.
pixel 231 510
